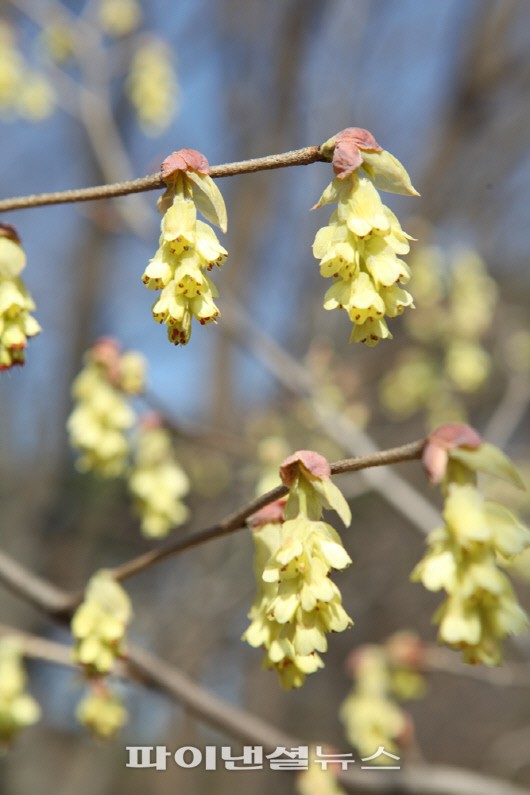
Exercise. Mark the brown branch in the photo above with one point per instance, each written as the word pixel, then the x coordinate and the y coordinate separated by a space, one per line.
pixel 250 729
pixel 237 520
pixel 149 670
pixel 196 432
pixel 298 157
pixel 40 648
pixel 61 604
pixel 32 588
pixel 295 377
pixel 445 661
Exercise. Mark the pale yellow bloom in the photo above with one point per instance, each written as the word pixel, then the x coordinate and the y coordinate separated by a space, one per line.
pixel 297 604
pixel 23 90
pixel 157 483
pixel 102 415
pixel 16 304
pixel 17 708
pixel 370 715
pixel 360 250
pixel 119 17
pixel 102 712
pixel 318 779
pixel 188 250
pixel 481 607
pixel 99 624
pixel 152 86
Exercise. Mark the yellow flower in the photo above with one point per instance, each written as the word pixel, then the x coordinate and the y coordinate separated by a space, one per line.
pixel 370 715
pixel 16 322
pixel 99 624
pixel 318 779
pixel 157 482
pixel 188 249
pixel 102 712
pixel 481 607
pixel 152 85
pixel 360 247
pixel 17 708
pixel 119 17
pixel 296 604
pixel 101 415
pixel 23 90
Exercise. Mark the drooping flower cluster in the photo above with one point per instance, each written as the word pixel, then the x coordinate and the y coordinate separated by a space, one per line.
pixel 102 415
pixel 445 359
pixel 464 554
pixel 296 602
pixel 119 17
pixel 319 779
pixel 370 713
pixel 156 481
pixel 101 711
pixel 362 245
pixel 152 86
pixel 17 708
pixel 58 40
pixel 23 90
pixel 189 248
pixel 100 623
pixel 16 322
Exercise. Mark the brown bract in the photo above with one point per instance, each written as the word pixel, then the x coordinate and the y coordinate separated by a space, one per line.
pixel 184 160
pixel 9 231
pixel 105 352
pixel 314 464
pixel 273 513
pixel 349 144
pixel 150 420
pixel 447 437
pixel 406 650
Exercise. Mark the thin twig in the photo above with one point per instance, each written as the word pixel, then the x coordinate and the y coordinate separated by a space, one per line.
pixel 510 411
pixel 32 588
pixel 445 661
pixel 60 604
pixel 88 100
pixel 40 648
pixel 149 670
pixel 196 432
pixel 298 380
pixel 237 520
pixel 298 157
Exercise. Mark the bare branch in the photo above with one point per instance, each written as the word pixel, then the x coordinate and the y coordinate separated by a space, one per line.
pixel 237 520
pixel 56 602
pixel 40 648
pixel 298 380
pixel 445 661
pixel 298 157
pixel 248 728
pixel 32 588
pixel 510 411
pixel 146 668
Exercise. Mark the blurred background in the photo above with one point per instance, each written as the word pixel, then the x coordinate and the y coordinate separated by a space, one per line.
pixel 103 90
